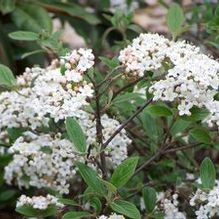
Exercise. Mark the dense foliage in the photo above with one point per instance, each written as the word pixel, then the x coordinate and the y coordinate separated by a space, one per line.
pixel 126 127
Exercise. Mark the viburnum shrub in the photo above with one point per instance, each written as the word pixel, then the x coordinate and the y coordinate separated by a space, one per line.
pixel 60 134
pixel 113 138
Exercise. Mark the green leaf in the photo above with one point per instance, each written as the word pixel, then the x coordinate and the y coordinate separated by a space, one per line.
pixel 7 6
pixel 50 211
pixel 24 35
pixel 6 76
pixel 111 63
pixel 125 97
pixel 31 212
pixel 76 134
pixel 179 126
pixel 72 10
pixel 7 195
pixel 110 187
pixel 124 171
pixel 126 208
pixel 201 135
pixel 14 133
pixel 33 18
pixel 197 114
pixel 96 204
pixel 75 215
pixel 151 126
pixel 25 55
pixel 158 110
pixel 149 195
pixel 27 211
pixel 207 173
pixel 135 28
pixel 175 19
pixel 91 178
pixel 66 201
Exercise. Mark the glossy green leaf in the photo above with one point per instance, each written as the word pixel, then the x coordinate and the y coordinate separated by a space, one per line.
pixel 76 134
pixel 126 208
pixel 6 76
pixel 27 211
pixel 111 63
pixel 14 133
pixel 71 9
pixel 150 125
pixel 91 178
pixel 125 97
pixel 158 110
pixel 75 215
pixel 25 55
pixel 201 135
pixel 197 114
pixel 175 19
pixel 31 212
pixel 124 171
pixel 7 6
pixel 24 35
pixel 207 173
pixel 66 201
pixel 33 18
pixel 7 195
pixel 50 211
pixel 179 126
pixel 96 204
pixel 150 197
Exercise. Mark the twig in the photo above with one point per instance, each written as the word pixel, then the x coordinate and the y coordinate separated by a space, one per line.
pixel 108 76
pixel 126 87
pixel 154 157
pixel 164 151
pixel 100 134
pixel 126 123
pixel 184 147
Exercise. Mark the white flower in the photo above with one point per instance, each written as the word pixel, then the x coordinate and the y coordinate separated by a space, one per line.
pixel 48 93
pixel 46 161
pixel 206 202
pixel 193 83
pixel 170 208
pixel 39 202
pixel 190 77
pixel 144 54
pixel 112 216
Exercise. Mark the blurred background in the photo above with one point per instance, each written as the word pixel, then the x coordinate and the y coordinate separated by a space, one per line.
pixel 103 25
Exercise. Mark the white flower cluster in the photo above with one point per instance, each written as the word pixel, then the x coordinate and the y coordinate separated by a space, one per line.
pixel 192 83
pixel 42 161
pixel 208 202
pixel 48 160
pixel 144 54
pixel 213 117
pixel 48 93
pixel 170 208
pixel 190 79
pixel 112 216
pixel 39 202
pixel 116 151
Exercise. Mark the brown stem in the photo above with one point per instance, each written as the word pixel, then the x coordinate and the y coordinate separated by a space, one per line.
pixel 164 151
pixel 126 123
pixel 184 147
pixel 126 87
pixel 154 157
pixel 100 134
